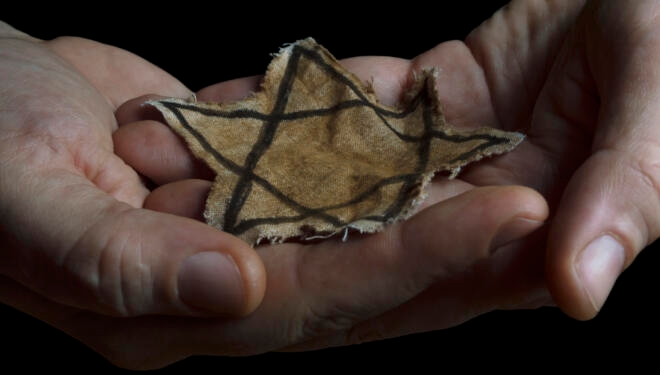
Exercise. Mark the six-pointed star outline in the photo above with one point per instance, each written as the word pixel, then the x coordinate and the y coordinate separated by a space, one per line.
pixel 314 152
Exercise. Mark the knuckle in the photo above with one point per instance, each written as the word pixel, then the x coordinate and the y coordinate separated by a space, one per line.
pixel 107 264
pixel 648 174
pixel 320 322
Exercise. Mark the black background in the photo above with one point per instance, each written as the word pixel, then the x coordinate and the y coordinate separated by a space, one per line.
pixel 202 45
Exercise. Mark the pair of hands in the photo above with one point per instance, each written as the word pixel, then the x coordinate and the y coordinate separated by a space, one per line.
pixel 131 273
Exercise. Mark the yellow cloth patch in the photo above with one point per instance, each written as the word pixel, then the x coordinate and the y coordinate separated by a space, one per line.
pixel 314 153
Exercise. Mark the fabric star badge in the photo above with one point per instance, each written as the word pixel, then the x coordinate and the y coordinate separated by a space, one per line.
pixel 313 153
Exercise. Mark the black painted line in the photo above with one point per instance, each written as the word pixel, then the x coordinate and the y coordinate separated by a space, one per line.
pixel 266 137
pixel 271 123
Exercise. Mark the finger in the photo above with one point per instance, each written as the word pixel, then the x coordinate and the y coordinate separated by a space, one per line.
pixel 511 278
pixel 145 143
pixel 111 258
pixel 376 273
pixel 388 76
pixel 104 65
pixel 229 91
pixel 135 110
pixel 331 286
pixel 156 152
pixel 610 209
pixel 160 156
pixel 187 198
pixel 183 198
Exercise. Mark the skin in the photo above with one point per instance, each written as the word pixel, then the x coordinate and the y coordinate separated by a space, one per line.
pixel 583 91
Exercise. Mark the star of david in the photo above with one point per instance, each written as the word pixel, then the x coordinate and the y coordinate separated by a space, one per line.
pixel 314 152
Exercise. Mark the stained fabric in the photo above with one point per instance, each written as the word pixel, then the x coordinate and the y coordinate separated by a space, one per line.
pixel 314 153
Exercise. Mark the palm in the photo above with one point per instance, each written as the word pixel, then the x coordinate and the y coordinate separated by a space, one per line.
pixel 84 118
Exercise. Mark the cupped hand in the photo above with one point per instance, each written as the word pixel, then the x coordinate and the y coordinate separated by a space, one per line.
pixel 86 249
pixel 72 227
pixel 574 77
pixel 581 78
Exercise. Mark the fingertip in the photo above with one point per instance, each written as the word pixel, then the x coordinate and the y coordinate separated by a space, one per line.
pixel 252 270
pixel 185 198
pixel 580 279
pixel 254 276
pixel 500 204
pixel 135 110
pixel 211 281
pixel 561 274
pixel 526 203
pixel 598 266
pixel 229 280
pixel 592 238
pixel 563 285
pixel 189 268
pixel 515 211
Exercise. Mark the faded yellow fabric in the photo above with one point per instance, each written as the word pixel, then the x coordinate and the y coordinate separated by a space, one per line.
pixel 313 153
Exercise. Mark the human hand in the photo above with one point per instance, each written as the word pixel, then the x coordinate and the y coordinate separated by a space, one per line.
pixel 75 239
pixel 579 78
pixel 107 274
pixel 494 97
pixel 590 99
pixel 563 121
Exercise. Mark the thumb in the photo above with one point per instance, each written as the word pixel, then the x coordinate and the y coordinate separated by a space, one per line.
pixel 76 245
pixel 610 208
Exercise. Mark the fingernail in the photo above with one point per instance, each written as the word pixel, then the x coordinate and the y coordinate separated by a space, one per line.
pixel 211 281
pixel 514 229
pixel 598 267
